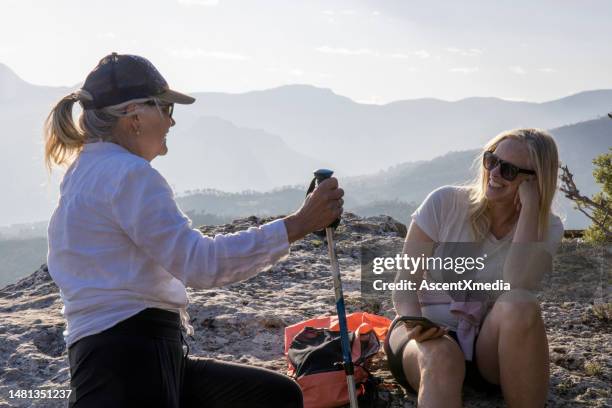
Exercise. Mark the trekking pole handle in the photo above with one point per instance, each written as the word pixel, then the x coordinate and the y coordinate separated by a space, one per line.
pixel 319 176
pixel 323 174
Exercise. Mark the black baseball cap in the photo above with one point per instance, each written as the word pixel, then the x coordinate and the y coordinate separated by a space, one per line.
pixel 121 78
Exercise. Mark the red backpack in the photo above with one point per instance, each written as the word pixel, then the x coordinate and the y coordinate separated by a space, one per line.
pixel 315 356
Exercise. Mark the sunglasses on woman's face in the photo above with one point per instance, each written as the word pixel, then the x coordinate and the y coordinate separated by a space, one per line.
pixel 507 170
pixel 167 108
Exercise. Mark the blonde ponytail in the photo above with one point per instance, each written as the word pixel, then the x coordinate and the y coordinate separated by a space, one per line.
pixel 63 138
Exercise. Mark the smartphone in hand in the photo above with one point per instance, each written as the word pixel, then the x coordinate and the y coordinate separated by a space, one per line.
pixel 411 321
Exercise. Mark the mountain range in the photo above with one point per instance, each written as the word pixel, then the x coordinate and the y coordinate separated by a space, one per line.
pixel 266 139
pixel 361 138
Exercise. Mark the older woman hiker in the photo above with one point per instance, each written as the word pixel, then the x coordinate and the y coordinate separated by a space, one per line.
pixel 122 252
pixel 486 339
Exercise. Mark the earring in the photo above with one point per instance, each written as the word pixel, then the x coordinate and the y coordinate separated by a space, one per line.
pixel 138 133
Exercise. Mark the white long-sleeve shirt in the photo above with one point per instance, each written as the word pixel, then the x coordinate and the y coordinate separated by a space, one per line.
pixel 119 244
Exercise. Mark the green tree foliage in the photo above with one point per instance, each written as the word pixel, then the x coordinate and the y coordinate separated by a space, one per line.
pixel 600 230
pixel 599 207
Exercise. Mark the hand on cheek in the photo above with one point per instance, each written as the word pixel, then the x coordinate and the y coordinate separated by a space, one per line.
pixel 528 193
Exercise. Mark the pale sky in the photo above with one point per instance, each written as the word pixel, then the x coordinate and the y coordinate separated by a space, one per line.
pixel 371 51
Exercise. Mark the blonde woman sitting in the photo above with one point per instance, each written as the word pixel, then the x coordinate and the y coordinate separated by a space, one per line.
pixel 502 342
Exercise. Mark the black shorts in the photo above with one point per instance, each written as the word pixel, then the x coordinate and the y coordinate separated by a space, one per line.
pixel 140 362
pixel 473 378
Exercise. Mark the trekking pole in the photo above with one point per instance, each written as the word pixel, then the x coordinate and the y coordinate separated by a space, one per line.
pixel 321 175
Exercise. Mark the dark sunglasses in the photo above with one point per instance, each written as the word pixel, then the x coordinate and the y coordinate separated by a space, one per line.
pixel 507 170
pixel 167 108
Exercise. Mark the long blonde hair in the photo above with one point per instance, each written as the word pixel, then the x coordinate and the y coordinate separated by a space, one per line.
pixel 545 160
pixel 64 139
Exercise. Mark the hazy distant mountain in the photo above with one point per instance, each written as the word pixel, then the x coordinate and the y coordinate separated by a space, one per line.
pixel 19 256
pixel 216 154
pixel 364 138
pixel 27 190
pixel 14 89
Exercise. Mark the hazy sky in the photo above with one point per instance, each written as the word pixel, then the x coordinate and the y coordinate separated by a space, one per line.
pixel 370 51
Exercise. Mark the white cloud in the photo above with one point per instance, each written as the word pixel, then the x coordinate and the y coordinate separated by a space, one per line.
pixel 464 70
pixel 199 2
pixel 345 51
pixel 296 72
pixel 422 54
pixel 403 55
pixel 366 51
pixel 469 52
pixel 547 70
pixel 333 12
pixel 376 13
pixel 518 70
pixel 6 50
pixel 190 53
pixel 107 36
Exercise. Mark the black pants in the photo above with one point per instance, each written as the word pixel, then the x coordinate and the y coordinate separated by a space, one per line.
pixel 395 354
pixel 140 363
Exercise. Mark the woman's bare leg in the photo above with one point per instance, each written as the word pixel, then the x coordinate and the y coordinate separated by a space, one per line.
pixel 436 368
pixel 512 349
